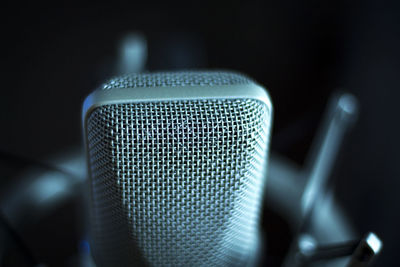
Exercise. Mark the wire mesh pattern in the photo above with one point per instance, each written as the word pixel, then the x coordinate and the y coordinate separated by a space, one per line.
pixel 173 79
pixel 183 178
pixel 176 183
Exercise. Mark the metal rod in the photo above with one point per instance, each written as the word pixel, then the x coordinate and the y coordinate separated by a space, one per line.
pixel 367 250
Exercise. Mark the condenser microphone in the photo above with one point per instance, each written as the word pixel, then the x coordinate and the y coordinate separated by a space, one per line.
pixel 177 167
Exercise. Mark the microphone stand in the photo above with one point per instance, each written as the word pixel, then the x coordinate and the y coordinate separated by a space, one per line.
pixel 341 114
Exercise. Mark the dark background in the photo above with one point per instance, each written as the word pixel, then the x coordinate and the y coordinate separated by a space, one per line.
pixel 301 51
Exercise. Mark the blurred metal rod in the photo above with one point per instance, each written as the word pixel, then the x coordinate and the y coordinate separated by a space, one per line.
pixel 362 252
pixel 132 52
pixel 366 251
pixel 342 112
pixel 327 252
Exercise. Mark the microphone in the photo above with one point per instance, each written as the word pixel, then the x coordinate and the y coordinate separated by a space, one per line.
pixel 177 167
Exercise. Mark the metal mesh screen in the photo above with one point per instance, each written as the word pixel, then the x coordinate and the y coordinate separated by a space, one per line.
pixel 177 183
pixel 172 79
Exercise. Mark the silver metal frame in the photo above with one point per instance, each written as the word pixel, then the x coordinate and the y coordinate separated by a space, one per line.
pixel 150 94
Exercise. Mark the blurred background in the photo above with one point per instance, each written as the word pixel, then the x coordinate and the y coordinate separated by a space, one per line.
pixel 302 51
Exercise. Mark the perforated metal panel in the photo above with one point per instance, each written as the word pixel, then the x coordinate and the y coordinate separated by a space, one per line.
pixel 177 183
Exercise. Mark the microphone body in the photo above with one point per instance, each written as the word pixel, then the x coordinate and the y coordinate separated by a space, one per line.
pixel 177 166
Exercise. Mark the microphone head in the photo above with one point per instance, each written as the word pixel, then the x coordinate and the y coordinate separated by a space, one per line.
pixel 177 164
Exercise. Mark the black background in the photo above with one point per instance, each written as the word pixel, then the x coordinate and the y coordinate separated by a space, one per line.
pixel 301 51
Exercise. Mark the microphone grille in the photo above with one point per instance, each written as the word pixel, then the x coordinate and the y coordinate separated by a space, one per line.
pixel 177 183
pixel 173 79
